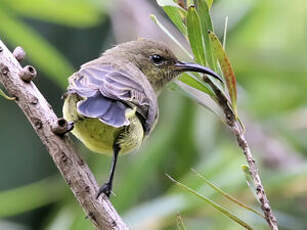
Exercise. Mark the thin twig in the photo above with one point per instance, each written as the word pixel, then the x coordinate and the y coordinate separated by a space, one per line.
pixel 73 169
pixel 236 129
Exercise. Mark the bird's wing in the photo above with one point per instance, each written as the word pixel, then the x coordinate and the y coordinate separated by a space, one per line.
pixel 109 91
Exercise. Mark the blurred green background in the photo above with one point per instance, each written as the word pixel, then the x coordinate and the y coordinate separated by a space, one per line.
pixel 266 45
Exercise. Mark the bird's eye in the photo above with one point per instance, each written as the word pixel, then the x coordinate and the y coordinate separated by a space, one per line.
pixel 157 59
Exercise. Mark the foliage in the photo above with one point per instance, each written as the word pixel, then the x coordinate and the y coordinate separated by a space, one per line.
pixel 69 12
pixel 194 21
pixel 207 50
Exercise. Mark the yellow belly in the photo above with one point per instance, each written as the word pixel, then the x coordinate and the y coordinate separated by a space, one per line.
pixel 100 137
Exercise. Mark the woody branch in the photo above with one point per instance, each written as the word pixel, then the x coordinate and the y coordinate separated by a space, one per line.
pixel 18 82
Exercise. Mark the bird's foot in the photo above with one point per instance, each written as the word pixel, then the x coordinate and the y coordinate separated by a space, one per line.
pixel 106 188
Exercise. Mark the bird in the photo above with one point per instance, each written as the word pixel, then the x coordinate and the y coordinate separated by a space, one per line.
pixel 112 100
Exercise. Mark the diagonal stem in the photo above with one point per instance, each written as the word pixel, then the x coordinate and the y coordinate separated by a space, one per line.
pixel 235 127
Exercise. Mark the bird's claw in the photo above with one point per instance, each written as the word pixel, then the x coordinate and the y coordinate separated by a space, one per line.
pixel 106 188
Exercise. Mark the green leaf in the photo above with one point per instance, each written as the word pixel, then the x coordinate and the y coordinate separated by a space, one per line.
pixel 212 203
pixel 204 14
pixel 39 51
pixel 195 35
pixel 206 24
pixel 6 96
pixel 174 13
pixel 31 196
pixel 162 27
pixel 226 195
pixel 77 13
pixel 209 3
pixel 195 83
pixel 249 181
pixel 226 69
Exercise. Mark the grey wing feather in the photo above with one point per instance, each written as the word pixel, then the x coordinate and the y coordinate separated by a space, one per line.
pixel 108 92
pixel 107 110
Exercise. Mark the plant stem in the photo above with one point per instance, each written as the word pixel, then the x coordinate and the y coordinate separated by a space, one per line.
pixel 235 127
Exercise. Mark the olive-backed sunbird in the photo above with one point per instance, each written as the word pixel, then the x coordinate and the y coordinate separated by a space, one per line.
pixel 112 100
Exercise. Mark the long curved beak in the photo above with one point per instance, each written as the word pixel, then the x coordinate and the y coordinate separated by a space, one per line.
pixel 193 67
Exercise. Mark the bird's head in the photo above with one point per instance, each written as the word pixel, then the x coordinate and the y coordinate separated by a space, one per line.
pixel 158 62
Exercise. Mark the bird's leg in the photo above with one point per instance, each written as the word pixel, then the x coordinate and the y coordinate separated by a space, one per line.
pixel 106 188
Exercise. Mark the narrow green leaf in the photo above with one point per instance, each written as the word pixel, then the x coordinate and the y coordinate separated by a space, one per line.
pixel 195 83
pixel 226 69
pixel 226 195
pixel 206 24
pixel 6 96
pixel 77 13
pixel 212 203
pixel 195 35
pixel 174 13
pixel 162 27
pixel 209 3
pixel 180 224
pixel 204 14
pixel 31 196
pixel 39 51
pixel 249 181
